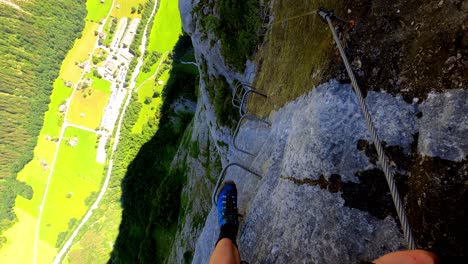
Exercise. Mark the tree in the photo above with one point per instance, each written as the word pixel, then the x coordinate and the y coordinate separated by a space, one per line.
pixel 140 8
pixel 133 10
pixel 148 100
pixel 97 74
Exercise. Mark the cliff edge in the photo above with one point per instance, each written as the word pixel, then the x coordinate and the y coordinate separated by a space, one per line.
pixel 321 197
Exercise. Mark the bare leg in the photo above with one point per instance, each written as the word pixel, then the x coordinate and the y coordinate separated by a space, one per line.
pixel 225 252
pixel 408 257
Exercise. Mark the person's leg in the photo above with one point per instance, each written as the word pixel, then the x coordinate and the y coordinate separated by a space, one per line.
pixel 226 251
pixel 407 257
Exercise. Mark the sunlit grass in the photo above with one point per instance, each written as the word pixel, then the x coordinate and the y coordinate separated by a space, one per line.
pixel 295 55
pixel 148 110
pixel 87 106
pixel 21 236
pixel 79 53
pixel 125 8
pixel 75 176
pixel 167 27
pixel 97 10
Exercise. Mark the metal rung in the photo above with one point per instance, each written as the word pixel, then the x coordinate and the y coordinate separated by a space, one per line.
pixel 235 100
pixel 251 118
pixel 223 174
pixel 244 98
pixel 246 90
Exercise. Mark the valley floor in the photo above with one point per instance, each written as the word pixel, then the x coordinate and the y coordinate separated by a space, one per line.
pixel 71 156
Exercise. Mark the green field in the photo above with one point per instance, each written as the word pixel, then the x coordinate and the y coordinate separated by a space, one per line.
pixel 147 111
pixel 97 10
pixel 34 174
pixel 87 106
pixel 144 76
pixel 97 239
pixel 53 119
pixel 125 8
pixel 75 176
pixel 167 27
pixel 79 53
pixel 24 228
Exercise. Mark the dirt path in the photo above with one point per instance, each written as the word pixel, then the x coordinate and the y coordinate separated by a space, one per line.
pixel 81 127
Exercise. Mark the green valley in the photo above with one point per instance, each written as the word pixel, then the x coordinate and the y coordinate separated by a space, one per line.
pixel 36 36
pixel 61 182
pixel 98 111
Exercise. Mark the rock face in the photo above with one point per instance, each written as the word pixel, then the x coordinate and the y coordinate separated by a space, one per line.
pixel 444 127
pixel 200 183
pixel 289 216
pixel 296 213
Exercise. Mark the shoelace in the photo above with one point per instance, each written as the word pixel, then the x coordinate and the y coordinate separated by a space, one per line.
pixel 229 211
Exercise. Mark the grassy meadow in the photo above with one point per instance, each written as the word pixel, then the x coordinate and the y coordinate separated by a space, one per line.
pixel 166 30
pixel 125 8
pixel 76 176
pixel 87 105
pixel 167 27
pixel 97 10
pixel 79 53
pixel 148 90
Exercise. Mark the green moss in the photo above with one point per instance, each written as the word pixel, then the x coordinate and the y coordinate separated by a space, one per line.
pixel 237 25
pixel 187 135
pixel 211 165
pixel 220 96
pixel 222 144
pixel 194 149
pixel 198 220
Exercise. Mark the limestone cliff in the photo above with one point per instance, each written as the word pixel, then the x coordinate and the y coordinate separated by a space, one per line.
pixel 321 197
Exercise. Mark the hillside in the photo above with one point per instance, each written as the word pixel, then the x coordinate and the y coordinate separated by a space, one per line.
pixel 36 36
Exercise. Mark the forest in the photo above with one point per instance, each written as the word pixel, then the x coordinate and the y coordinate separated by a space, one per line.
pixel 33 45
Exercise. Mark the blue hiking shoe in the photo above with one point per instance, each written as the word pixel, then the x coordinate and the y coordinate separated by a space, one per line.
pixel 227 205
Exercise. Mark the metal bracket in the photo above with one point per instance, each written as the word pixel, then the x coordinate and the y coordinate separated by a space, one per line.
pixel 223 174
pixel 248 117
pixel 235 100
pixel 323 13
pixel 246 90
pixel 244 98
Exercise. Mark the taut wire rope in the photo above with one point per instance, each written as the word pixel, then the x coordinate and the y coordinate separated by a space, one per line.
pixel 378 146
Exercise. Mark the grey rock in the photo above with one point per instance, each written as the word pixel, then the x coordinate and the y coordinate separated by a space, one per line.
pixel 288 221
pixel 312 136
pixel 444 125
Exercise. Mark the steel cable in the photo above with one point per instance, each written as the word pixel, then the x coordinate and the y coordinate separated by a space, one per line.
pixel 378 146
